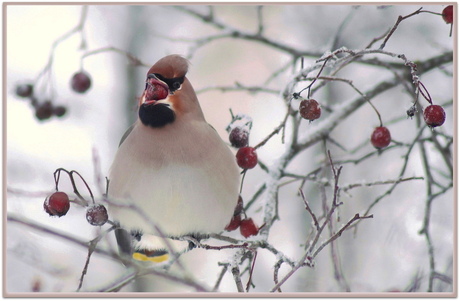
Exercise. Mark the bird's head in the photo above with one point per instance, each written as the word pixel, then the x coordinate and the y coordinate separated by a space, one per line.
pixel 168 93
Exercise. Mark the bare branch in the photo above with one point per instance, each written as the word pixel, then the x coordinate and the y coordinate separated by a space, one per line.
pixel 237 34
pixel 315 221
pixel 339 233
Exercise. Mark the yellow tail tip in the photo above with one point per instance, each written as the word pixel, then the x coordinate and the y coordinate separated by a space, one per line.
pixel 156 259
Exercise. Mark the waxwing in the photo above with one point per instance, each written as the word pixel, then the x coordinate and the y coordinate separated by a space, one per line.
pixel 172 175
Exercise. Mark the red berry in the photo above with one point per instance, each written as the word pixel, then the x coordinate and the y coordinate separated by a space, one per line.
pixel 57 204
pixel 97 215
pixel 248 228
pixel 381 137
pixel 155 90
pixel 448 14
pixel 239 137
pixel 310 109
pixel 44 111
pixel 234 223
pixel 80 82
pixel 24 90
pixel 246 157
pixel 434 115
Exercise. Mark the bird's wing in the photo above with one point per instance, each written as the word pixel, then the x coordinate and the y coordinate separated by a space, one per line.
pixel 126 134
pixel 124 241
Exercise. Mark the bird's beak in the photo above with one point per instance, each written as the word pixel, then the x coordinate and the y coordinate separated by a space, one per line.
pixel 155 90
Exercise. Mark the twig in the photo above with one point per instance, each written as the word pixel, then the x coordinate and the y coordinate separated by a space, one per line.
pixel 237 278
pixel 47 69
pixel 274 132
pixel 397 181
pixel 239 87
pixel 237 34
pixel 133 60
pixel 307 207
pixel 255 196
pixel 339 233
pixel 251 270
pixel 400 19
pixel 260 20
pixel 221 276
pixel 11 217
pixel 92 247
pixel 275 273
pixel 57 175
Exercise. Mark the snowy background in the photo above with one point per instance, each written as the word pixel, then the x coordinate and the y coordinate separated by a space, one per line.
pixel 386 253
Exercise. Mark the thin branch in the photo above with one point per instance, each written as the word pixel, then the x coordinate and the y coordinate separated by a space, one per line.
pixel 307 207
pixel 400 19
pixel 237 278
pixel 238 34
pixel 11 217
pixel 274 132
pixel 275 273
pixel 132 59
pixel 239 87
pixel 339 233
pixel 221 276
pixel 397 181
pixel 248 284
pixel 92 247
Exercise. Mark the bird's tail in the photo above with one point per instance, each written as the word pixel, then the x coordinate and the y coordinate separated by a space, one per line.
pixel 149 248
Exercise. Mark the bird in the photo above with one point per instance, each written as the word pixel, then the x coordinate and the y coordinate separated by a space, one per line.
pixel 172 175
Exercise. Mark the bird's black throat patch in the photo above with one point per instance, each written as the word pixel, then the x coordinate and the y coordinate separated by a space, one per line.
pixel 156 115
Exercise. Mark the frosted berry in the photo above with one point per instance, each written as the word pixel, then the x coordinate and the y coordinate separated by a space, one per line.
pixel 246 157
pixel 57 204
pixel 80 82
pixel 248 228
pixel 24 90
pixel 411 111
pixel 97 215
pixel 434 115
pixel 44 110
pixel 59 111
pixel 448 14
pixel 310 109
pixel 381 137
pixel 239 137
pixel 234 223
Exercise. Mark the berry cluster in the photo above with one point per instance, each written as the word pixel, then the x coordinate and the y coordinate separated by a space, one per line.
pixel 246 157
pixel 45 109
pixel 246 225
pixel 58 203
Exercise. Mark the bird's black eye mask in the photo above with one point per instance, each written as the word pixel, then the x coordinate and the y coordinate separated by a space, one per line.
pixel 173 83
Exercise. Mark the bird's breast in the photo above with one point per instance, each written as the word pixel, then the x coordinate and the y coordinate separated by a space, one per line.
pixel 185 182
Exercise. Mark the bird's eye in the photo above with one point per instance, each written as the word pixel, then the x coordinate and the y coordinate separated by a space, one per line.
pixel 176 85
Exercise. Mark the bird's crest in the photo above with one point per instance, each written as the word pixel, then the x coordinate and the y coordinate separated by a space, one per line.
pixel 171 66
